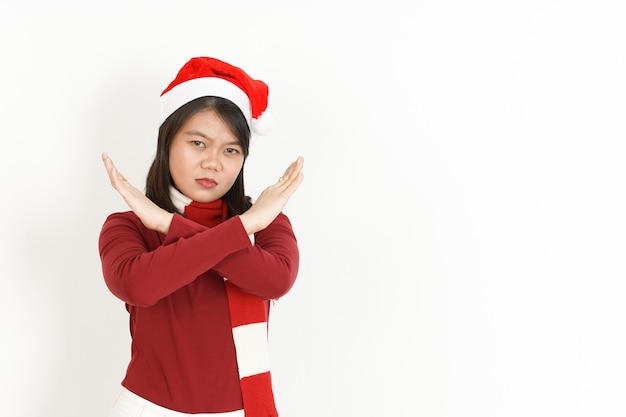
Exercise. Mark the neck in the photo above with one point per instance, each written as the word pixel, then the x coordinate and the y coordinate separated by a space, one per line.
pixel 208 214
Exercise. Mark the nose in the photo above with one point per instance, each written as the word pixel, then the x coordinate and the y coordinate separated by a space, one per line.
pixel 211 160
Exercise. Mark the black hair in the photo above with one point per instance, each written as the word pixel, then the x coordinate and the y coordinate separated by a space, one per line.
pixel 159 178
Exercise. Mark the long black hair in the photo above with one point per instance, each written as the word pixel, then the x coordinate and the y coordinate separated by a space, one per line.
pixel 159 179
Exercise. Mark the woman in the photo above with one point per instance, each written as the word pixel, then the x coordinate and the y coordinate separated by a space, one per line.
pixel 197 263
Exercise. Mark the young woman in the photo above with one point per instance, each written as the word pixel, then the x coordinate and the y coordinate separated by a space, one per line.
pixel 195 262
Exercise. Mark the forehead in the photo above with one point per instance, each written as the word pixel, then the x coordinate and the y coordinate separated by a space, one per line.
pixel 209 125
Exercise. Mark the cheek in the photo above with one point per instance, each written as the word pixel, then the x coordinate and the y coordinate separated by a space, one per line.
pixel 234 169
pixel 177 163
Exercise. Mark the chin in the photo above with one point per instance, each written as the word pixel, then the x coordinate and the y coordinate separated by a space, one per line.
pixel 207 198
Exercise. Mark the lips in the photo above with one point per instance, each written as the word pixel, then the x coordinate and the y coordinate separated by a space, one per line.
pixel 206 182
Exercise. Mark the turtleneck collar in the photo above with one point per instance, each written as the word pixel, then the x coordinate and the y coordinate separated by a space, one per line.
pixel 179 199
pixel 207 214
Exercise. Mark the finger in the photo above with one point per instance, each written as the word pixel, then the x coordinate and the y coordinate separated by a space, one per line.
pixel 108 165
pixel 294 168
pixel 293 184
pixel 117 179
pixel 289 172
pixel 120 179
pixel 286 174
pixel 106 159
pixel 289 187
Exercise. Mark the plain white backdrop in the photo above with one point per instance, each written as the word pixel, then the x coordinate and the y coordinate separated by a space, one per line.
pixel 461 222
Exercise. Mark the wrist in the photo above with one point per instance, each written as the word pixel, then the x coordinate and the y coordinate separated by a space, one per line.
pixel 247 223
pixel 165 222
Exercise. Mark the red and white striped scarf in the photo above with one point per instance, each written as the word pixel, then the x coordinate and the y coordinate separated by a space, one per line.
pixel 249 320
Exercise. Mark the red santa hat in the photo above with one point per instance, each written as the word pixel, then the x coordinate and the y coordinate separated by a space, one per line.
pixel 204 76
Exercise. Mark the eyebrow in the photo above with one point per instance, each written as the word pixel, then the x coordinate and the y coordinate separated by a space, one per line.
pixel 194 132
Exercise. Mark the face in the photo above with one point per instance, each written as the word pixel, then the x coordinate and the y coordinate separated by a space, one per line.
pixel 205 157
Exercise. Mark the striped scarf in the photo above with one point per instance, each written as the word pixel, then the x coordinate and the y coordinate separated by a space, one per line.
pixel 249 320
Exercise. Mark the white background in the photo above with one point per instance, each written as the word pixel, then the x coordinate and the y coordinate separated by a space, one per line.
pixel 461 221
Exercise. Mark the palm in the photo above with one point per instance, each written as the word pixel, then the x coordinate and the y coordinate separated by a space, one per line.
pixel 151 215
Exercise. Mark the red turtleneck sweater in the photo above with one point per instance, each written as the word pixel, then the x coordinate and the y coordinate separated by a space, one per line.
pixel 182 353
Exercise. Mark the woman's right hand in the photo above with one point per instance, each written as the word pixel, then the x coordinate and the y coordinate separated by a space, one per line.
pixel 273 199
pixel 151 215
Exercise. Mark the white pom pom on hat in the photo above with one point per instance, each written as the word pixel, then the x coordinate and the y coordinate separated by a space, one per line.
pixel 263 124
pixel 205 76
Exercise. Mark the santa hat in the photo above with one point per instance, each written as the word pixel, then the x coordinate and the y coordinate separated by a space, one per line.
pixel 204 76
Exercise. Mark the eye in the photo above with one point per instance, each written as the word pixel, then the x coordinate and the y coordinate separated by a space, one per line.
pixel 232 151
pixel 198 143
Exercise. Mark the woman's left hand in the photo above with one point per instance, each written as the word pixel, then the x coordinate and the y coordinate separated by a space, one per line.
pixel 151 215
pixel 273 199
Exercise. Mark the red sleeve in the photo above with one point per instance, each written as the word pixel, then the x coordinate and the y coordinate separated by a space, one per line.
pixel 269 268
pixel 140 269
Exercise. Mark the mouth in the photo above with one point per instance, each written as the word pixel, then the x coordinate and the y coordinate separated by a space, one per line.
pixel 206 182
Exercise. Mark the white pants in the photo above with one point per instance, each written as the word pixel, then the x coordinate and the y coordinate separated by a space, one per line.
pixel 129 404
